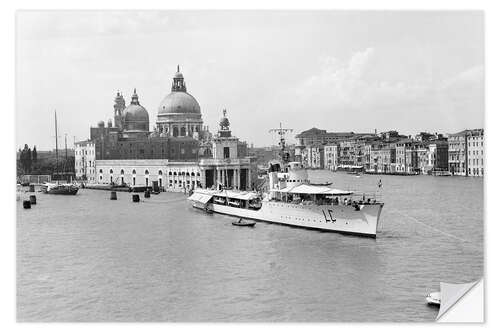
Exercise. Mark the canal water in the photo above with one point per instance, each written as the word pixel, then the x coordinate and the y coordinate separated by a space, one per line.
pixel 87 258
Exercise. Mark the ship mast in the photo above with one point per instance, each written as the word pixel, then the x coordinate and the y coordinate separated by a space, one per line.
pixel 57 148
pixel 281 132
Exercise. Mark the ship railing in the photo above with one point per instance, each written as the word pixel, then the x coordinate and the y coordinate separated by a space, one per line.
pixel 371 196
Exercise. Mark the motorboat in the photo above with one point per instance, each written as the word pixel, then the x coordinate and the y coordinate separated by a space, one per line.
pixel 434 298
pixel 243 223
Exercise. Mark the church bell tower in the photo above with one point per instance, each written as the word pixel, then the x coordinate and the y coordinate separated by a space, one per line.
pixel 119 107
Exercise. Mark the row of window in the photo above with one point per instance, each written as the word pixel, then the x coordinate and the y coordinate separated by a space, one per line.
pixel 80 152
pixel 146 172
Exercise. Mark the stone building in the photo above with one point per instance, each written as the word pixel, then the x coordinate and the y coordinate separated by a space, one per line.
pixel 383 159
pixel 457 153
pixel 85 160
pixel 438 156
pixel 228 168
pixel 331 156
pixel 475 152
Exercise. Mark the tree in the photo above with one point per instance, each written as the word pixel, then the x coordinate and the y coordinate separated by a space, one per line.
pixel 34 156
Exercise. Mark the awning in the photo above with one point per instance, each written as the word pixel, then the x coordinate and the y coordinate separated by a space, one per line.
pixel 310 189
pixel 200 197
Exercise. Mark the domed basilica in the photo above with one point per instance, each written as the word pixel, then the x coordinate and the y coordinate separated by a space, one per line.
pixel 179 153
pixel 179 114
pixel 179 132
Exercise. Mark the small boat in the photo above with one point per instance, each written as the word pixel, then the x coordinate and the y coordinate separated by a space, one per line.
pixel 242 223
pixel 434 298
pixel 64 189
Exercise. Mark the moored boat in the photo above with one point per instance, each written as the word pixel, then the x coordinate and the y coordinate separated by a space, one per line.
pixel 62 188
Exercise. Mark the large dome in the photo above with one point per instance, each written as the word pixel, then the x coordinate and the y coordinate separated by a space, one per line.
pixel 179 102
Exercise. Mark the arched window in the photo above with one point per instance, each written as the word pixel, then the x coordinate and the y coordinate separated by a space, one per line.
pixel 175 132
pixel 133 172
pixel 175 173
pixel 170 173
pixel 111 171
pixel 100 170
pixel 146 172
pixel 183 131
pixel 192 173
pixel 122 172
pixel 160 172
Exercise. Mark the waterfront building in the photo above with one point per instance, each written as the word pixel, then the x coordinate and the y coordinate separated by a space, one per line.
pixel 402 158
pixel 85 160
pixel 437 156
pixel 331 156
pixel 422 156
pixel 475 152
pixel 317 156
pixel 457 153
pixel 383 159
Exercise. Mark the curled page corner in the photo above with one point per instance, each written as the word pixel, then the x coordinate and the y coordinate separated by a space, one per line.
pixel 462 302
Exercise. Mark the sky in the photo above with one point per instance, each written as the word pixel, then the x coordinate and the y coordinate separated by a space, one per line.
pixel 355 71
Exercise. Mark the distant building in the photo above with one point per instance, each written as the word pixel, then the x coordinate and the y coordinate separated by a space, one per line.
pixel 331 156
pixel 475 152
pixel 457 153
pixel 317 157
pixel 466 153
pixel 85 160
pixel 383 159
pixel 438 156
pixel 404 161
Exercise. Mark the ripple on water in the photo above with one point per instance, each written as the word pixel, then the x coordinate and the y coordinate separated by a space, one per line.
pixel 87 258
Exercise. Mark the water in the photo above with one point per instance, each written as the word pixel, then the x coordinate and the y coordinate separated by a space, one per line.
pixel 87 258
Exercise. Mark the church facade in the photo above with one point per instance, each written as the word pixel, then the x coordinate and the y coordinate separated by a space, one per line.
pixel 179 153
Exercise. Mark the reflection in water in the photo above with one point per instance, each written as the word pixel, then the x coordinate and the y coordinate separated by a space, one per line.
pixel 89 258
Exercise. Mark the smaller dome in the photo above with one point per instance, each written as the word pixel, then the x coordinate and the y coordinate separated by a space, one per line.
pixel 136 116
pixel 135 113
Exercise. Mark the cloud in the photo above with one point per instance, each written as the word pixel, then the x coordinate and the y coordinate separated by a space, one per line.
pixel 353 85
pixel 71 24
